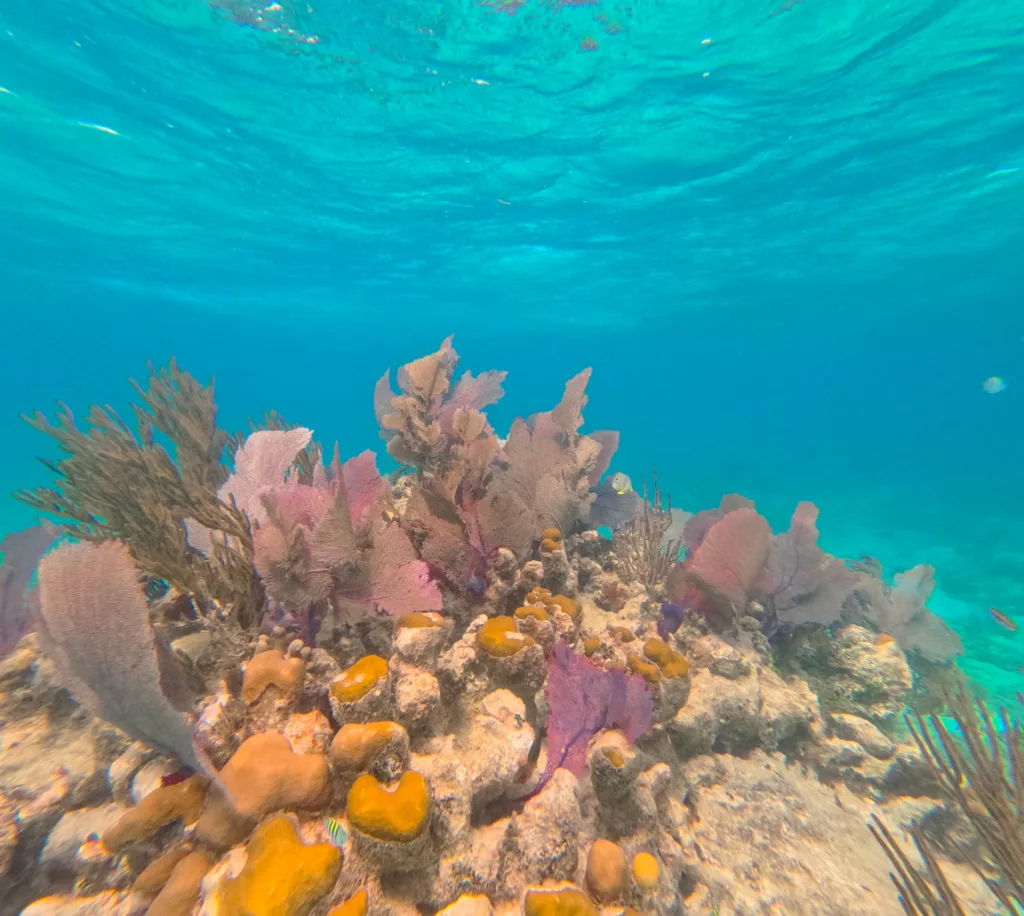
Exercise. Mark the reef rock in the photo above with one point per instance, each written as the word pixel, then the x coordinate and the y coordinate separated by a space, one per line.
pixel 735 714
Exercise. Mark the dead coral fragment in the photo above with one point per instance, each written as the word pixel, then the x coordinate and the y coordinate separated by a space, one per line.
pixel 398 815
pixel 500 638
pixel 282 876
pixel 180 802
pixel 271 668
pixel 113 484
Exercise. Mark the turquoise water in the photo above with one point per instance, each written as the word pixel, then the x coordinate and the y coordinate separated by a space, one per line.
pixel 786 236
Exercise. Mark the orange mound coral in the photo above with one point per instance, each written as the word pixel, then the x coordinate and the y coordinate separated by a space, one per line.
pixel 568 901
pixel 282 876
pixel 646 871
pixel 182 801
pixel 647 670
pixel 416 619
pixel 569 605
pixel 356 905
pixel 591 644
pixel 264 775
pixel 398 814
pixel 357 746
pixel 671 663
pixel 271 668
pixel 181 892
pixel 607 871
pixel 538 613
pixel 499 638
pixel 356 681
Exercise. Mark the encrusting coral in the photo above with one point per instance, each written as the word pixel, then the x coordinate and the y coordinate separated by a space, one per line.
pixel 442 691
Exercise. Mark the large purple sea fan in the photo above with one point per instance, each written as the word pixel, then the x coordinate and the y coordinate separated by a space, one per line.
pixel 583 699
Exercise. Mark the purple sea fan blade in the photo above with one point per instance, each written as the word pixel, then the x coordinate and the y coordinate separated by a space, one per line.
pixel 583 699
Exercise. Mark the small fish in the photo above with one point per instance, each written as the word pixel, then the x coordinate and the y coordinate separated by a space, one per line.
pixel 1003 621
pixel 615 503
pixel 993 385
pixel 1020 698
pixel 620 483
pixel 884 639
pixel 335 831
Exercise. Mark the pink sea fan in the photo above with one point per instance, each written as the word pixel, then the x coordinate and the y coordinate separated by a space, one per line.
pixel 585 699
pixel 399 581
pixel 363 483
pixel 729 563
pixel 261 465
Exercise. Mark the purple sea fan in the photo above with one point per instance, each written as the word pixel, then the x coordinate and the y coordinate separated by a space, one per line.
pixel 584 699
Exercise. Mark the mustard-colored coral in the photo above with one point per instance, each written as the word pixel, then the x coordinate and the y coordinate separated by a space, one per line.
pixel 182 801
pixel 499 638
pixel 538 595
pixel 550 545
pixel 568 901
pixel 671 663
pixel 282 876
pixel 418 619
pixel 551 534
pixel 614 756
pixel 356 905
pixel 538 613
pixel 591 644
pixel 570 605
pixel 357 681
pixel 646 871
pixel 272 668
pixel 399 814
pixel 623 633
pixel 264 775
pixel 181 892
pixel 357 746
pixel 646 670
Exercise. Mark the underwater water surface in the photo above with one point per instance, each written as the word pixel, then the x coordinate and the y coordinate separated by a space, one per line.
pixel 787 237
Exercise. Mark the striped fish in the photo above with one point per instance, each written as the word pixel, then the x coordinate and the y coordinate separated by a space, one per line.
pixel 335 831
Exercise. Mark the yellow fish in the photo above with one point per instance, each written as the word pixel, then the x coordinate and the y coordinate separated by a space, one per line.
pixel 621 484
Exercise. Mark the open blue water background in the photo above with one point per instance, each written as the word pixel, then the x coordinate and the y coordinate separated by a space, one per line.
pixel 789 239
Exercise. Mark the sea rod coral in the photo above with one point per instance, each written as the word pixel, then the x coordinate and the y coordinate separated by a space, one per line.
pixel 439 690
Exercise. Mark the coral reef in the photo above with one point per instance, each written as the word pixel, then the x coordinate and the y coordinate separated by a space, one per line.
pixel 444 691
